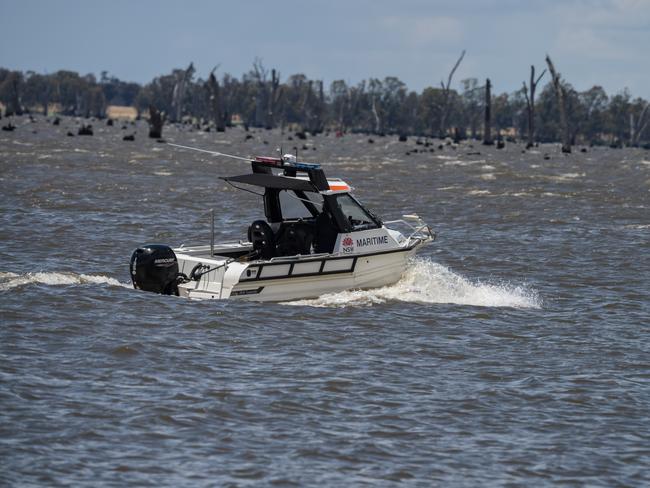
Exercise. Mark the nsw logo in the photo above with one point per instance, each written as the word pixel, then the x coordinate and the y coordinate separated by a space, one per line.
pixel 348 244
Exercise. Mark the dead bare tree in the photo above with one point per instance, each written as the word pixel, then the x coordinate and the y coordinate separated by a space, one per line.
pixel 561 96
pixel 375 92
pixel 260 74
pixel 275 97
pixel 321 106
pixel 15 106
pixel 638 125
pixel 487 130
pixel 313 107
pixel 179 91
pixel 45 101
pixel 214 97
pixel 344 108
pixel 530 105
pixel 375 114
pixel 156 121
pixel 356 96
pixel 446 92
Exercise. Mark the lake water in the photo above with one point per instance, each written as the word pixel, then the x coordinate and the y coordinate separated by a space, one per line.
pixel 514 351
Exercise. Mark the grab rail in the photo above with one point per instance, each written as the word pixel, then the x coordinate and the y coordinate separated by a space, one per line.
pixel 298 256
pixel 420 231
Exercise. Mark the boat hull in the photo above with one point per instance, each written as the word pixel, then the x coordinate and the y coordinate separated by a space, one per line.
pixel 286 280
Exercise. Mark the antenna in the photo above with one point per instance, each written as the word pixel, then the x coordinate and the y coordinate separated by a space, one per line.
pixel 266 161
pixel 214 153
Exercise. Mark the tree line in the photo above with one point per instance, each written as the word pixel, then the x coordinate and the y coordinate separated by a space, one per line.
pixel 261 98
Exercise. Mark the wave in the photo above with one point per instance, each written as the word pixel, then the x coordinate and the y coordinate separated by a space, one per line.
pixel 424 282
pixel 427 282
pixel 13 280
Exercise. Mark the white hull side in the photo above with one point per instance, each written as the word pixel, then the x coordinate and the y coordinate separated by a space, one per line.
pixel 371 271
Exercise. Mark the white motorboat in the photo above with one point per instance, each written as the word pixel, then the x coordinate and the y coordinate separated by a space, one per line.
pixel 316 238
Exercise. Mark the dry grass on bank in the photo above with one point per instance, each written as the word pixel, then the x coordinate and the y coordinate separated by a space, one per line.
pixel 121 112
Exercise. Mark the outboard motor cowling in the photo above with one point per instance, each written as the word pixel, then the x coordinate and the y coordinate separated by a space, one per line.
pixel 154 267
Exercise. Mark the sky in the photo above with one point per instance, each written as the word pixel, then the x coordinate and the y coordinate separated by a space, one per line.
pixel 592 42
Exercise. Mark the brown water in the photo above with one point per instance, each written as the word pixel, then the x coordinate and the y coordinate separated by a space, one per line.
pixel 515 350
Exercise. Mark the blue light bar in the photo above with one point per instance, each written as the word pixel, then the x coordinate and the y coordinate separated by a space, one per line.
pixel 302 166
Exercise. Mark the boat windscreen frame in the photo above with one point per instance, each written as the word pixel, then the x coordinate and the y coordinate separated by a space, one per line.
pixel 273 206
pixel 306 201
pixel 274 214
pixel 342 220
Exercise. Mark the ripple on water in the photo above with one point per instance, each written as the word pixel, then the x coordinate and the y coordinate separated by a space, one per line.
pixel 457 375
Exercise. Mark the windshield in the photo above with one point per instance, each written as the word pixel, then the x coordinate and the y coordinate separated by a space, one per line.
pixel 355 213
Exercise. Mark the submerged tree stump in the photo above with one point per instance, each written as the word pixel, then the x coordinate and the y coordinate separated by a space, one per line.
pixel 500 142
pixel 156 121
pixel 85 130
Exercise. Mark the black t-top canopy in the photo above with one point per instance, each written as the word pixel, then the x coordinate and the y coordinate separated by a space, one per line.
pixel 272 181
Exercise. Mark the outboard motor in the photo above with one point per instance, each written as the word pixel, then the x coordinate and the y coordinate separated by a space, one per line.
pixel 154 267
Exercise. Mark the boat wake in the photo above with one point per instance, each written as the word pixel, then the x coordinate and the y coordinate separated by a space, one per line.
pixel 424 282
pixel 13 280
pixel 427 282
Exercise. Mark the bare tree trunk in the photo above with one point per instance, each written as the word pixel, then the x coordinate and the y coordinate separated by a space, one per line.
pixel 16 106
pixel 445 97
pixel 79 105
pixel 376 116
pixel 156 120
pixel 487 131
pixel 214 96
pixel 530 105
pixel 559 91
pixel 307 107
pixel 637 127
pixel 275 96
pixel 356 96
pixel 176 103
pixel 312 106
pixel 46 99
pixel 259 111
pixel 261 101
pixel 344 109
pixel 179 92
pixel 321 108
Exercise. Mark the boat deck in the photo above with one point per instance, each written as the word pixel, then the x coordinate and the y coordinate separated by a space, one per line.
pixel 226 250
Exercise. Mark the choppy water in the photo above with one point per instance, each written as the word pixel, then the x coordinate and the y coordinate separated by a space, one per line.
pixel 515 350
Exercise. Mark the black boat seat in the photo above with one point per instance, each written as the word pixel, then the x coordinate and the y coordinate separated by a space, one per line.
pixel 294 238
pixel 326 233
pixel 261 236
